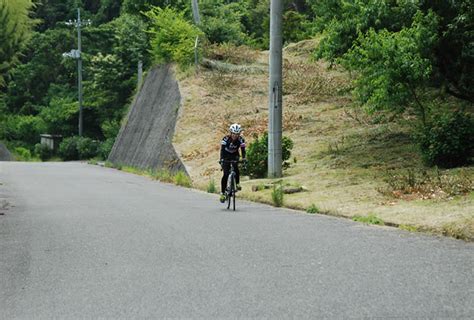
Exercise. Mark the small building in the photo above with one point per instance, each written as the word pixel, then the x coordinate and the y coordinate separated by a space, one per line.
pixel 51 140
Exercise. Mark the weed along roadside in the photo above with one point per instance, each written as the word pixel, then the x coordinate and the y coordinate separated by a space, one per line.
pixel 277 192
pixel 179 178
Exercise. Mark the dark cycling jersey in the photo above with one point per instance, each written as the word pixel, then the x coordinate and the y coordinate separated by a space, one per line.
pixel 230 149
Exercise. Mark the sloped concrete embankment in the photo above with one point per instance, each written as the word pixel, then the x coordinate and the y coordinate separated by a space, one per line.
pixel 5 155
pixel 145 139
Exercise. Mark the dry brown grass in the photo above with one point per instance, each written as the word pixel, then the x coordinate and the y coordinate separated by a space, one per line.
pixel 231 53
pixel 311 82
pixel 341 156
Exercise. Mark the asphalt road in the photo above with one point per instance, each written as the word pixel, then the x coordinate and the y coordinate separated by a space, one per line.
pixel 81 241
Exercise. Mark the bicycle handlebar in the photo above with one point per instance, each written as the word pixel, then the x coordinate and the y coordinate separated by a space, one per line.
pixel 232 161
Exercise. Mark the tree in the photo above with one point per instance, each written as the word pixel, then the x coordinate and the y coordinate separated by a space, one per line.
pixel 15 30
pixel 138 6
pixel 221 21
pixel 394 67
pixel 173 36
pixel 43 65
pixel 342 22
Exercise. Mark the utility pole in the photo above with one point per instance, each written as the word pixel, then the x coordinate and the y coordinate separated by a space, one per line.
pixel 197 19
pixel 197 22
pixel 79 70
pixel 275 91
pixel 140 73
pixel 76 54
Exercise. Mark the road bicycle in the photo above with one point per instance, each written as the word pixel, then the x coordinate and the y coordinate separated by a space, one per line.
pixel 231 188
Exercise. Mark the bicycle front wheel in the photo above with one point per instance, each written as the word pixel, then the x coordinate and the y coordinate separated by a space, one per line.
pixel 231 191
pixel 233 199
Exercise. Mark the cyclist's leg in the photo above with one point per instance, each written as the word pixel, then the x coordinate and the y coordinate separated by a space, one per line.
pixel 226 169
pixel 237 176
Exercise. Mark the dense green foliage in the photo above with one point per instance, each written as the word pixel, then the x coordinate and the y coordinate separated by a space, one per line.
pixel 78 148
pixel 448 139
pixel 173 37
pixel 404 55
pixel 437 34
pixel 257 155
pixel 407 57
pixel 15 29
pixel 43 151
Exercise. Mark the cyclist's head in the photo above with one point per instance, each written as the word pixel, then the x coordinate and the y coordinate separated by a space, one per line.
pixel 235 129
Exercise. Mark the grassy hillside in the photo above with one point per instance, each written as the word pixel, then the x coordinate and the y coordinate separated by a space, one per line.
pixel 351 165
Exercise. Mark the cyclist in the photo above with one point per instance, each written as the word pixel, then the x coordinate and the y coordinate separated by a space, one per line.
pixel 230 146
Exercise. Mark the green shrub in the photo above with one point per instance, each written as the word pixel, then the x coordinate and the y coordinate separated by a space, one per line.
pixel 182 179
pixel 295 26
pixel 105 147
pixel 22 154
pixel 163 175
pixel 87 148
pixel 257 156
pixel 23 128
pixel 221 22
pixel 211 187
pixel 312 209
pixel 43 151
pixel 172 37
pixel 447 140
pixel 68 149
pixel 78 148
pixel 370 219
pixel 277 195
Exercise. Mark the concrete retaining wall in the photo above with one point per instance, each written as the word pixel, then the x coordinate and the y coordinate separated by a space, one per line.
pixel 145 139
pixel 5 155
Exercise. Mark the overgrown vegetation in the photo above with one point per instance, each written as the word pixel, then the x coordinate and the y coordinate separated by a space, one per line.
pixel 369 219
pixel 257 155
pixel 313 209
pixel 211 187
pixel 173 37
pixel 182 179
pixel 447 140
pixel 277 195
pixel 427 184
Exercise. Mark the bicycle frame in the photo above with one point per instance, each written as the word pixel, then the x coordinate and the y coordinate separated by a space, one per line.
pixel 231 188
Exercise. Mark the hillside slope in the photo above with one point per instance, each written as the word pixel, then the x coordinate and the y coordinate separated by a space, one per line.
pixel 350 165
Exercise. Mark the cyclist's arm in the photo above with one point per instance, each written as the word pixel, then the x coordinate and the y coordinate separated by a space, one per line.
pixel 223 144
pixel 242 148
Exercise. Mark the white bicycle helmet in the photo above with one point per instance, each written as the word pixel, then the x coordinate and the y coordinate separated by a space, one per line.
pixel 235 128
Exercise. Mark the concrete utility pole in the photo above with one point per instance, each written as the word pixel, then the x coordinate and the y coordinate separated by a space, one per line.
pixel 275 91
pixel 197 22
pixel 197 19
pixel 79 70
pixel 140 73
pixel 76 54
